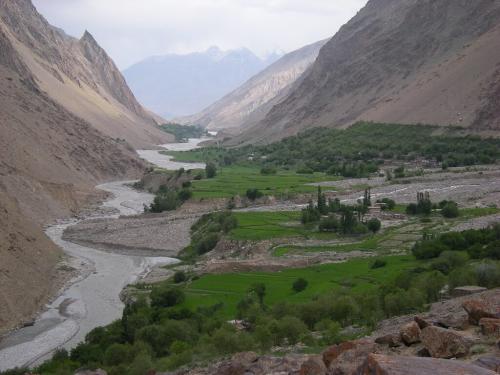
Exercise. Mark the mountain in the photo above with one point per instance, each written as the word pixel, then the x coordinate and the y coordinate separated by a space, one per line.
pixel 408 61
pixel 180 85
pixel 65 111
pixel 251 101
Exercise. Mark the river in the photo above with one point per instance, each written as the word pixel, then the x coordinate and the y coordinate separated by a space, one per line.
pixel 92 298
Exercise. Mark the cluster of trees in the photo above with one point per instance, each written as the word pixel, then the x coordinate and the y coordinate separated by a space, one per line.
pixel 207 231
pixel 169 199
pixel 160 333
pixel 182 133
pixel 363 148
pixel 478 244
pixel 333 216
pixel 424 206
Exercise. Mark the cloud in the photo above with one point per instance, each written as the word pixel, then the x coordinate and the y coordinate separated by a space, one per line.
pixel 131 30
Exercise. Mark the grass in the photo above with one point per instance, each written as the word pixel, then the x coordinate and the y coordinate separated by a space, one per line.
pixel 195 156
pixel 262 225
pixel 478 212
pixel 236 180
pixel 355 274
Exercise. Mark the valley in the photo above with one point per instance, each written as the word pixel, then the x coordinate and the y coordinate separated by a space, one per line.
pixel 333 210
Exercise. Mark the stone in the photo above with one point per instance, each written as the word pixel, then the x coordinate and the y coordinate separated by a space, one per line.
pixel 445 343
pixel 345 358
pixel 91 372
pixel 467 290
pixel 422 323
pixel 490 327
pixel 313 366
pixel 377 364
pixel 410 333
pixel 391 340
pixel 477 310
pixel 489 362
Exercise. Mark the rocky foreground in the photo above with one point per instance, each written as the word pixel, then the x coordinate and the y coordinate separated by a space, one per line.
pixel 457 336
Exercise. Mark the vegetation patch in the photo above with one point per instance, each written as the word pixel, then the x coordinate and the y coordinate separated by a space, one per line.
pixel 182 133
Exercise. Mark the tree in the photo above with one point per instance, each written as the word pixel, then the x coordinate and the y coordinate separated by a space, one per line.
pixel 374 225
pixel 254 194
pixel 322 207
pixel 210 170
pixel 166 297
pixel 450 210
pixel 329 224
pixel 179 277
pixel 348 221
pixel 259 289
pixel 367 199
pixel 300 285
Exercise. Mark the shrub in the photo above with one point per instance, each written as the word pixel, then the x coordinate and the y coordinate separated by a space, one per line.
pixel 374 225
pixel 300 285
pixel 166 297
pixel 207 244
pixel 179 277
pixel 186 184
pixel 266 171
pixel 378 263
pixel 450 210
pixel 210 170
pixel 165 201
pixel 329 224
pixel 254 194
pixel 116 354
pixel 389 204
pixel 185 194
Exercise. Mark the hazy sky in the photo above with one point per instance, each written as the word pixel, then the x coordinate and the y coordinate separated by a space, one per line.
pixel 131 30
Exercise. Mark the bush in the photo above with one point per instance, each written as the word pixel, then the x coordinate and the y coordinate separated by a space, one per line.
pixel 116 354
pixel 185 194
pixel 166 297
pixel 165 201
pixel 374 225
pixel 266 171
pixel 389 204
pixel 378 263
pixel 329 224
pixel 210 170
pixel 207 244
pixel 300 285
pixel 254 194
pixel 450 210
pixel 179 277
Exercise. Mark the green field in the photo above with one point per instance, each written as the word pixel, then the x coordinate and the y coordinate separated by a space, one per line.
pixel 236 180
pixel 355 274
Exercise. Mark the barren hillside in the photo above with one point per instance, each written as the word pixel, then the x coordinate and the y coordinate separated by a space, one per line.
pixel 50 158
pixel 410 61
pixel 78 74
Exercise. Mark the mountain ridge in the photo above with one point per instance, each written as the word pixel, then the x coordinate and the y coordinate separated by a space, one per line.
pixel 179 85
pixel 248 103
pixel 405 62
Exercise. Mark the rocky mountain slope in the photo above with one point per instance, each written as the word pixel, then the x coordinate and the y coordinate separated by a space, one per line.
pixel 180 85
pixel 50 156
pixel 251 101
pixel 77 74
pixel 409 61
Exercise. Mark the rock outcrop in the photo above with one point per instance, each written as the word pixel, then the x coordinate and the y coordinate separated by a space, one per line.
pixel 445 343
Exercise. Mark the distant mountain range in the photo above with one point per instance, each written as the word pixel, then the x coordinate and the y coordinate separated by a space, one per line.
pixel 250 102
pixel 180 85
pixel 406 61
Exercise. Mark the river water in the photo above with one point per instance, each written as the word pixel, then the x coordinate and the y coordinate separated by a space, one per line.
pixel 92 298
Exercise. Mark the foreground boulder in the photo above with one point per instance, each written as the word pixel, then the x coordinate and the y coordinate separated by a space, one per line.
pixel 377 364
pixel 345 358
pixel 410 333
pixel 445 343
pixel 490 327
pixel 480 309
pixel 313 366
pixel 489 362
